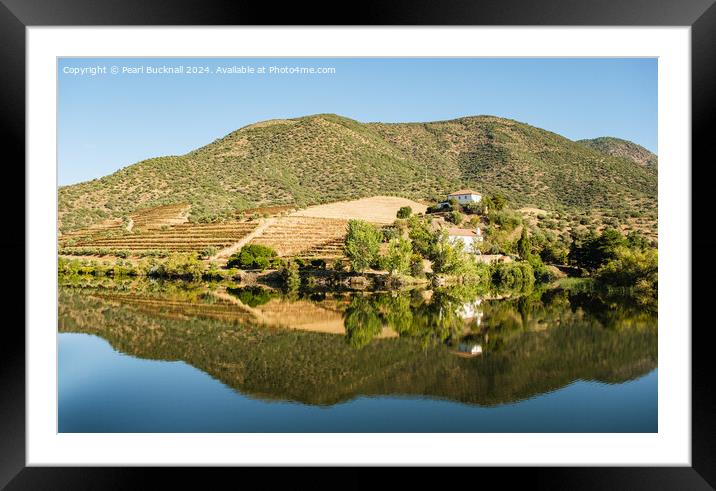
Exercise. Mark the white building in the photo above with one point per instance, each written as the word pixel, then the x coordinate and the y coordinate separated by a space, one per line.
pixel 468 237
pixel 464 196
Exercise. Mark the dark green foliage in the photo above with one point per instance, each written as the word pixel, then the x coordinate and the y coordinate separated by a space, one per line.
pixel 473 208
pixel 554 254
pixel 506 219
pixel 253 296
pixel 498 202
pixel 635 240
pixel 404 212
pixel 633 268
pixel 422 236
pixel 593 251
pixel 290 276
pixel 524 245
pixel 455 217
pixel 514 276
pixel 254 256
pixel 540 271
pixel 390 233
pixel 416 266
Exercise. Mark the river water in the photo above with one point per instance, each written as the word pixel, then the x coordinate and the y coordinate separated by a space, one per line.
pixel 145 356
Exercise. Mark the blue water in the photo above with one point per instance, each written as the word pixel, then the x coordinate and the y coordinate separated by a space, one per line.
pixel 101 390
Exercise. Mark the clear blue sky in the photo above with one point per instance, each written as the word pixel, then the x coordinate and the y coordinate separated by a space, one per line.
pixel 106 121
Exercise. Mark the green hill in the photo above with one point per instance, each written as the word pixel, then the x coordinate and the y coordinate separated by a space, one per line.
pixel 324 158
pixel 616 147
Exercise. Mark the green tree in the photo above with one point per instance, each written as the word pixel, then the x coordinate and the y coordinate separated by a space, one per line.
pixel 362 244
pixel 593 251
pixel 630 267
pixel 397 257
pixel 524 245
pixel 422 236
pixel 450 258
pixel 498 201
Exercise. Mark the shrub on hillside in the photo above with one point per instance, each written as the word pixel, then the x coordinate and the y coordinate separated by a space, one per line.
pixel 455 217
pixel 254 256
pixel 404 212
pixel 416 266
pixel 506 219
pixel 208 252
pixel 390 233
pixel 553 254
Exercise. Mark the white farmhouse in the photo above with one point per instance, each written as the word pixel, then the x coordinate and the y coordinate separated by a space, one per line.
pixel 468 237
pixel 465 196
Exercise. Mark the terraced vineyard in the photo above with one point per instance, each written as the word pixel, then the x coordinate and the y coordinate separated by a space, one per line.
pixel 113 226
pixel 305 237
pixel 185 237
pixel 159 216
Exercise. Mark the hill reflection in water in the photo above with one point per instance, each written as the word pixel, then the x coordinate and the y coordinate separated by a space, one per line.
pixel 328 348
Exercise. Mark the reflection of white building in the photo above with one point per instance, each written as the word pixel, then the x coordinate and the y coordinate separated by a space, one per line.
pixel 468 237
pixel 471 310
pixel 467 349
pixel 470 348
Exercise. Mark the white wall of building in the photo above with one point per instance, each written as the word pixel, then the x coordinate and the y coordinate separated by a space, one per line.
pixel 467 241
pixel 467 198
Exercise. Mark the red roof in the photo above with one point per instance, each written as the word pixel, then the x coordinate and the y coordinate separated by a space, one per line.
pixel 464 191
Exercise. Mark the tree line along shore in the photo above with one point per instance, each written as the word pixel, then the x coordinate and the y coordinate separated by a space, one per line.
pixel 413 250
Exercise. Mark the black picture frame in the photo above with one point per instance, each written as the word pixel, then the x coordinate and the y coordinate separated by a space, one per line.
pixel 16 15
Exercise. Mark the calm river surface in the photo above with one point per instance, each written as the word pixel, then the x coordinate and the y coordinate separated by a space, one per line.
pixel 143 356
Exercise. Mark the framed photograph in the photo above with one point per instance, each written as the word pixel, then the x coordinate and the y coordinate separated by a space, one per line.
pixel 432 238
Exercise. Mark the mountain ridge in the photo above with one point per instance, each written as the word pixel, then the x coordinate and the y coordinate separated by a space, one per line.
pixel 618 147
pixel 325 157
